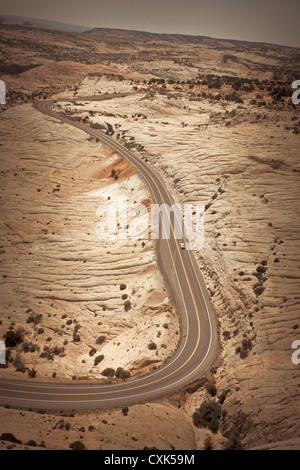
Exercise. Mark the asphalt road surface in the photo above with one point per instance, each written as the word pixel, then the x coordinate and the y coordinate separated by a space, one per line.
pixel 198 348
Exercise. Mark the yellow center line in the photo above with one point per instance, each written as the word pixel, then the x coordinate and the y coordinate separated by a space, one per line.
pixel 190 289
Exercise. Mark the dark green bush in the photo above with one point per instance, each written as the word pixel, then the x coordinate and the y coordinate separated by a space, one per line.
pixel 100 340
pixel 208 445
pixel 77 445
pixel 32 373
pixel 122 374
pixel 211 388
pixel 35 319
pixel 108 372
pixel 13 338
pixel 98 359
pixel 76 338
pixel 208 416
pixel 31 443
pixel 8 436
pixel 19 364
pixel 234 442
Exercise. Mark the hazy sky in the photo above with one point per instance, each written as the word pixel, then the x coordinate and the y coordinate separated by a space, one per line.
pixel 253 20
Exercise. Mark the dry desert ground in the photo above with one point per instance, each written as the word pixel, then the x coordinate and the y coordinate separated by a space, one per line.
pixel 215 118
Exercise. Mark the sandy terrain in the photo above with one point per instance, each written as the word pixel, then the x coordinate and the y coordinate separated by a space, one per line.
pixel 246 173
pixel 232 146
pixel 58 278
pixel 105 430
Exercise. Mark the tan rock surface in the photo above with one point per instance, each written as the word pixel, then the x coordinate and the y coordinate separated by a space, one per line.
pixel 111 429
pixel 54 266
pixel 247 173
pixel 241 160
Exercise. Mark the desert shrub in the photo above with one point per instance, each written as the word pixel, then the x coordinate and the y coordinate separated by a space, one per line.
pixel 226 334
pixel 258 290
pixel 122 374
pixel 247 344
pixel 13 338
pixel 19 364
pixel 26 347
pixel 98 359
pixel 208 416
pixel 20 332
pixel 261 269
pixel 223 396
pixel 234 442
pixel 100 340
pixel 208 445
pixel 125 410
pixel 234 97
pixel 8 436
pixel 108 372
pixel 49 353
pixel 77 445
pixel 32 373
pixel 57 351
pixel 152 346
pixel 211 388
pixel 76 338
pixel 127 305
pixel 110 130
pixel 31 443
pixel 92 352
pixel 35 319
pixel 245 348
pixel 61 424
pixel 243 353
pixel 123 286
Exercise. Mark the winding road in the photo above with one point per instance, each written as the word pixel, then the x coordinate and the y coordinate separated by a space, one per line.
pixel 198 348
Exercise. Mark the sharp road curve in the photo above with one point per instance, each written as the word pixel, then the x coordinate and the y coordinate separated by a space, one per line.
pixel 199 342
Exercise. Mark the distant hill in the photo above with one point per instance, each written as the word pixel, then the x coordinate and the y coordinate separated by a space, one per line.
pixel 123 35
pixel 56 25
